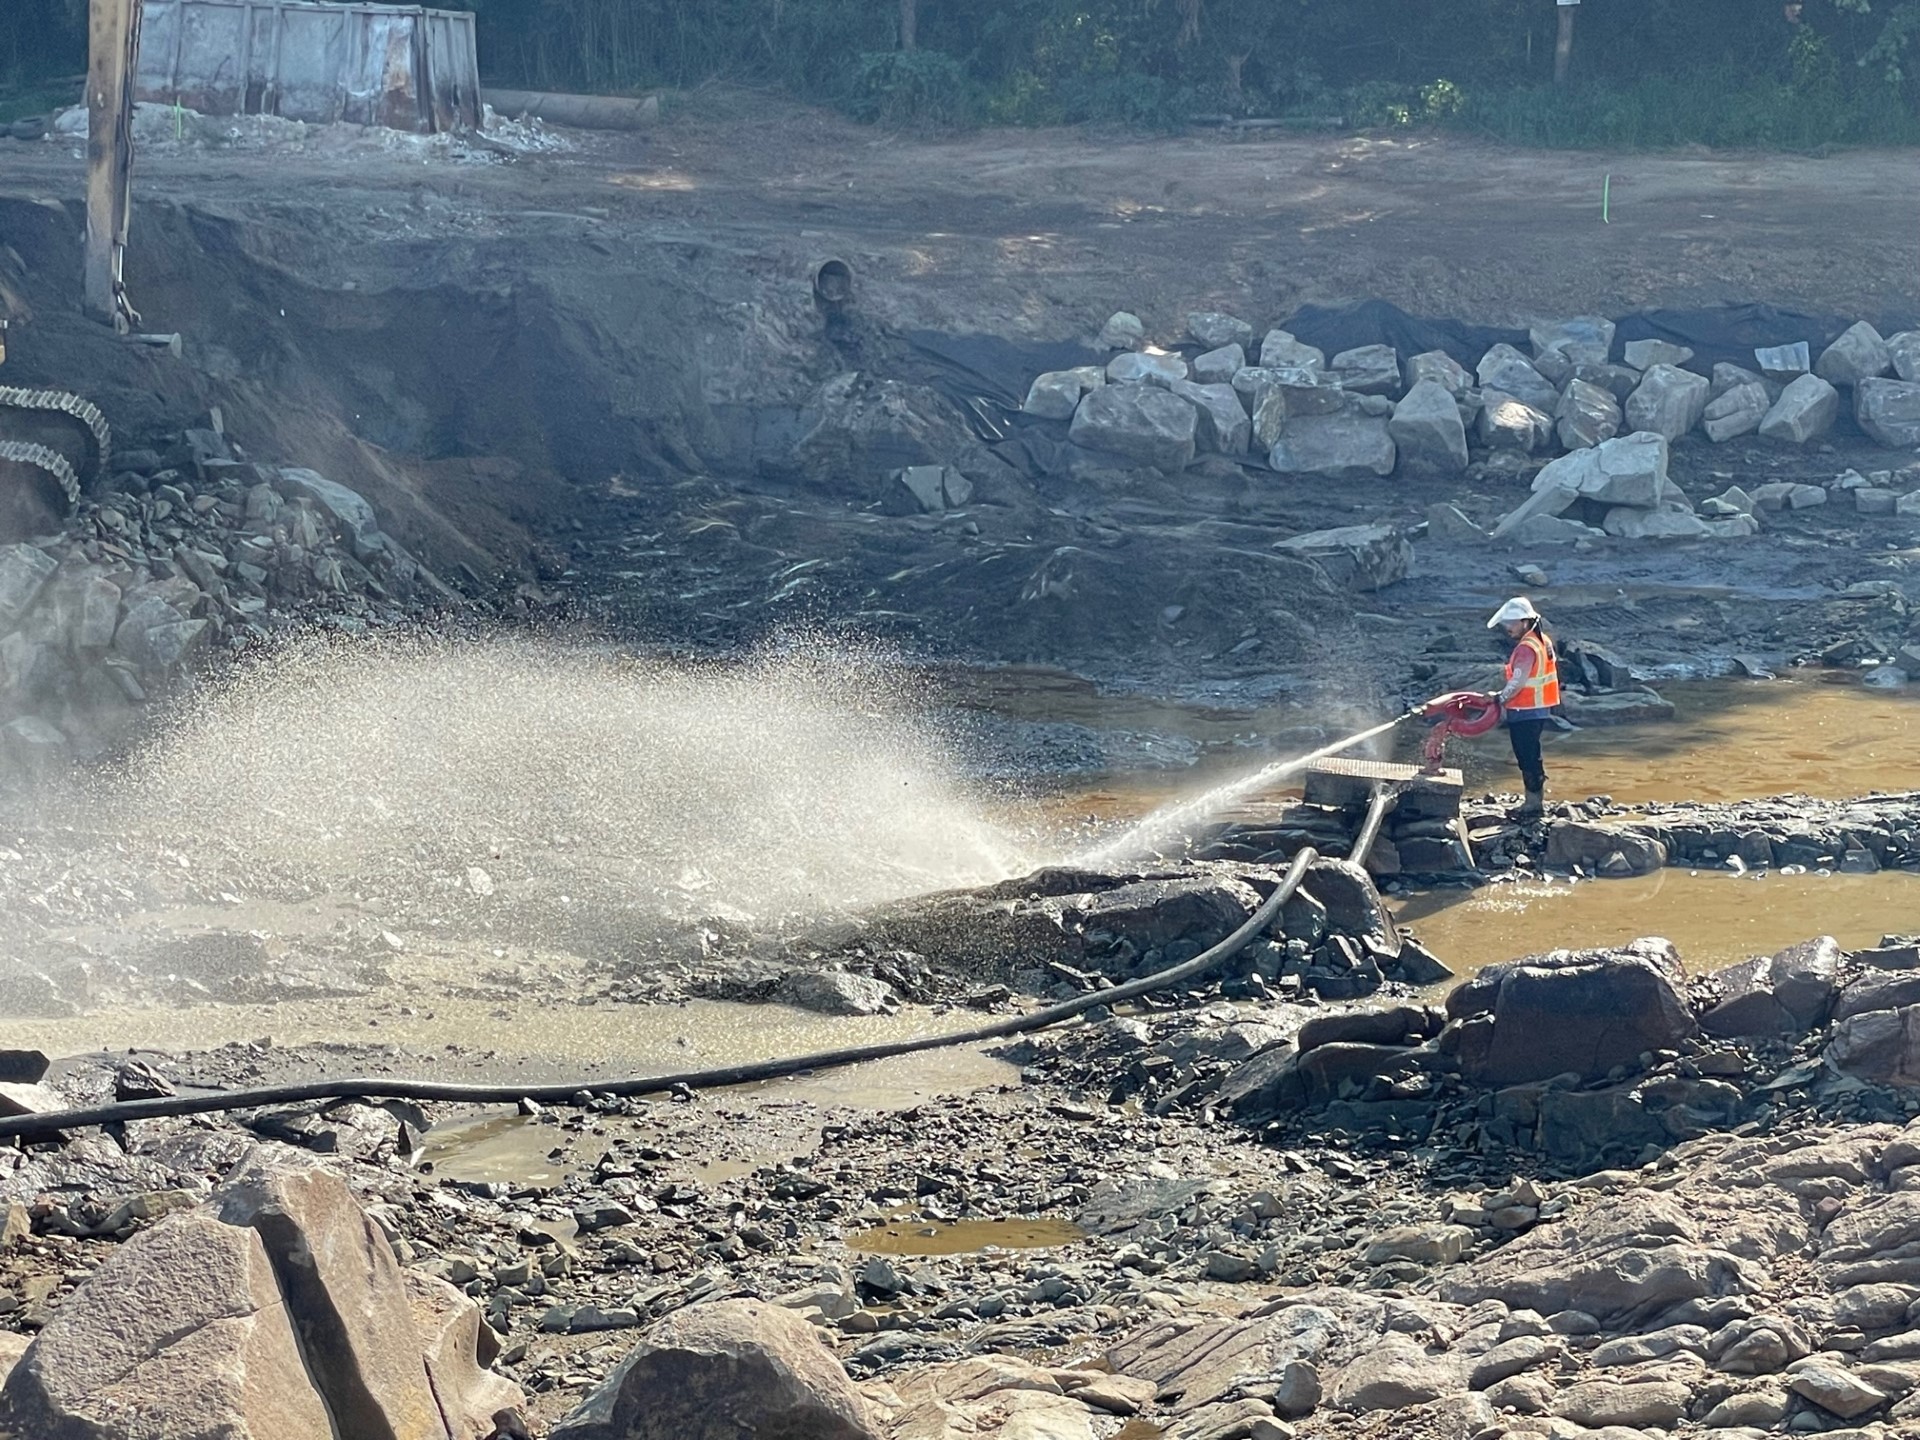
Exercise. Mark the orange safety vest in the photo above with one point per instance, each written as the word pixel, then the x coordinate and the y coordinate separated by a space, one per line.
pixel 1540 692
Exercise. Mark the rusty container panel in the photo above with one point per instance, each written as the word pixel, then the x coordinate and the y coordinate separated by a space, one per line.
pixel 402 67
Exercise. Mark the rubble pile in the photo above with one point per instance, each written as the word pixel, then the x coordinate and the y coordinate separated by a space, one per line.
pixel 1243 1220
pixel 195 552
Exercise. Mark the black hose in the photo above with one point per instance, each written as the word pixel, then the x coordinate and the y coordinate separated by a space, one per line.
pixel 561 1094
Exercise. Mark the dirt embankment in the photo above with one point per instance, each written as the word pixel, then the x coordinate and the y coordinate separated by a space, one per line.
pixel 601 370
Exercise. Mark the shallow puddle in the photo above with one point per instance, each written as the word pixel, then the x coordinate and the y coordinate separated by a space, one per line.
pixel 514 1149
pixel 1715 918
pixel 964 1237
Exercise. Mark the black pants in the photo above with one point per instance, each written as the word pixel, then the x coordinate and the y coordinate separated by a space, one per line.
pixel 1525 735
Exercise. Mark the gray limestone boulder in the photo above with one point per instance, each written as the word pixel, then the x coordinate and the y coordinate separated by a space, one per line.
pixel 24 570
pixel 1668 402
pixel 1805 411
pixel 1141 423
pixel 1341 446
pixel 1442 369
pixel 1304 389
pixel 1508 423
pixel 1735 412
pixel 1123 331
pixel 1785 363
pixel 1553 530
pixel 1878 1046
pixel 1889 411
pixel 1643 355
pixel 1859 354
pixel 1582 340
pixel 1587 414
pixel 349 508
pixel 1145 367
pixel 1626 470
pixel 925 490
pixel 730 1370
pixel 1223 427
pixel 1505 369
pixel 1628 523
pixel 1279 350
pixel 1904 351
pixel 1731 377
pixel 1368 370
pixel 1361 557
pixel 1057 394
pixel 1214 331
pixel 1427 432
pixel 1219 366
pixel 1619 381
pixel 1544 501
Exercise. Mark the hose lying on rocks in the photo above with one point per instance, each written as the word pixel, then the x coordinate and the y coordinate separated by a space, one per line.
pixel 24 1126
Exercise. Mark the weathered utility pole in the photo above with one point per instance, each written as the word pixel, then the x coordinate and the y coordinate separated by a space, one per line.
pixel 1563 47
pixel 113 55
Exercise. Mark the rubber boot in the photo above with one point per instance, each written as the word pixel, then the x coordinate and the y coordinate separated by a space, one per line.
pixel 1532 808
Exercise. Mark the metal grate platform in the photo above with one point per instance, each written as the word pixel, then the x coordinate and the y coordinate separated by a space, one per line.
pixel 1348 785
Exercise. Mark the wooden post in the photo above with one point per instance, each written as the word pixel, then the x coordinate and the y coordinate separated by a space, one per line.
pixel 909 24
pixel 113 50
pixel 1563 47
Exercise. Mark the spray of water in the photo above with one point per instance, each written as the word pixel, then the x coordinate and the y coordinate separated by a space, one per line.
pixel 795 783
pixel 1172 823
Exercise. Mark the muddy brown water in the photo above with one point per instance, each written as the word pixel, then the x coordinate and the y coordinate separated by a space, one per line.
pixel 1819 733
pixel 1714 918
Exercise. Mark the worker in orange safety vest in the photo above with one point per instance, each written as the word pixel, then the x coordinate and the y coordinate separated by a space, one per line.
pixel 1530 696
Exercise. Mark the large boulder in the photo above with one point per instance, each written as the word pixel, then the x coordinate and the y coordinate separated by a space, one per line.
pixel 1581 1012
pixel 1361 557
pixel 1300 389
pixel 1881 1047
pixel 1628 523
pixel 1218 367
pixel 1280 350
pixel 1643 355
pixel 1141 423
pixel 1214 331
pixel 1587 415
pixel 1145 367
pixel 1904 350
pixel 1428 435
pixel 1368 370
pixel 1343 446
pixel 180 1333
pixel 1627 470
pixel 1223 427
pixel 1805 410
pixel 24 569
pixel 732 1370
pixel 1582 340
pixel 1669 401
pixel 1506 423
pixel 1441 368
pixel 1859 354
pixel 1736 412
pixel 1785 994
pixel 1057 394
pixel 1505 369
pixel 344 1293
pixel 1889 411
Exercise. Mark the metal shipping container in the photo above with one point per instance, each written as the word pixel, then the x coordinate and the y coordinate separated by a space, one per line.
pixel 403 67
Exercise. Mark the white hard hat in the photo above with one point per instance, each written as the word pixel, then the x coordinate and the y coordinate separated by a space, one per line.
pixel 1518 608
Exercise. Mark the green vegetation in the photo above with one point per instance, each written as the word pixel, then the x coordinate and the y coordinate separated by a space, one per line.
pixel 1645 73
